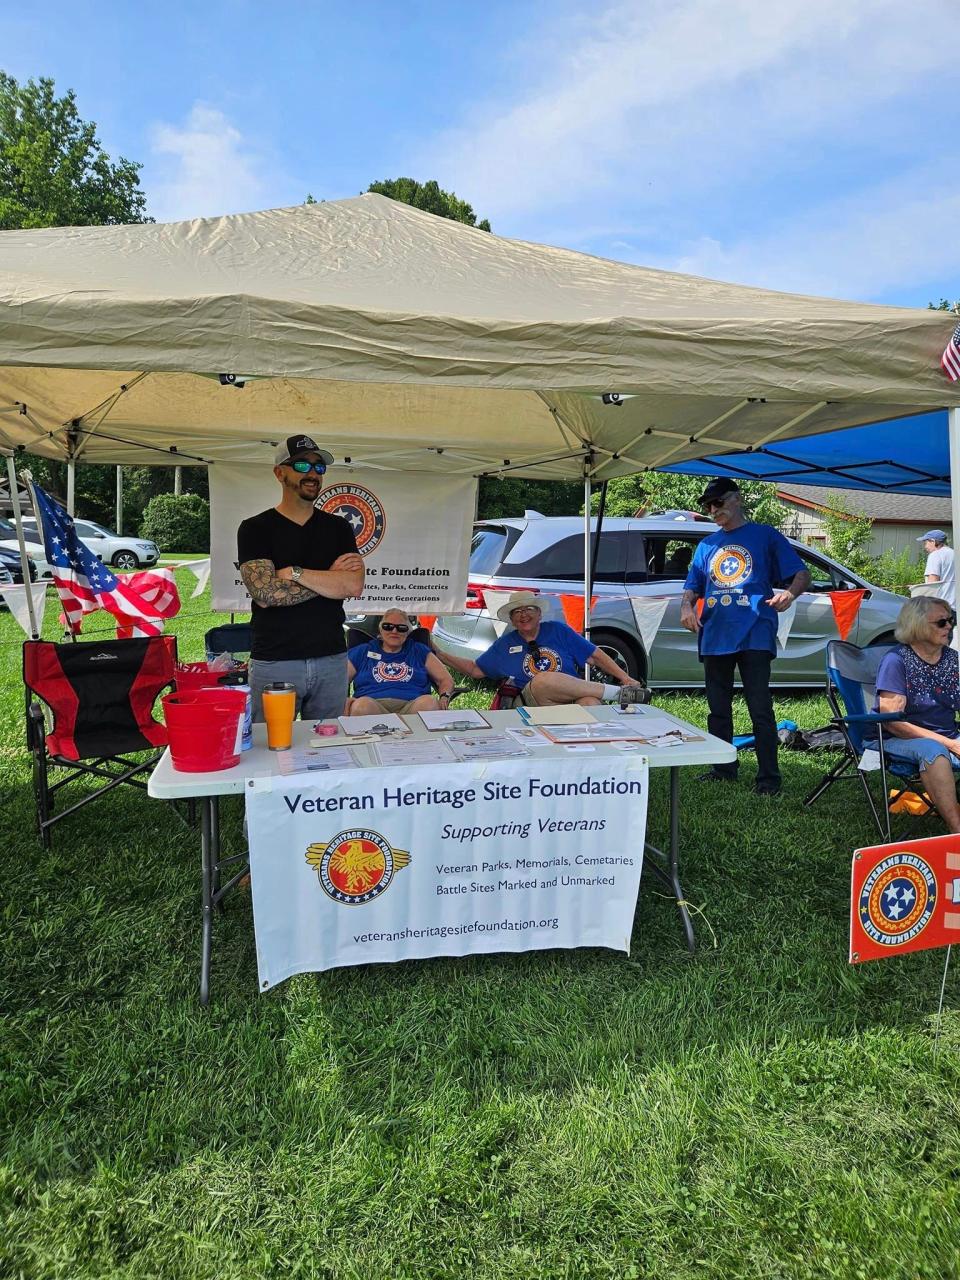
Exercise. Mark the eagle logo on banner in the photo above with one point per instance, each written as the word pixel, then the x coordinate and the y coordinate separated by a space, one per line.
pixel 356 866
pixel 362 510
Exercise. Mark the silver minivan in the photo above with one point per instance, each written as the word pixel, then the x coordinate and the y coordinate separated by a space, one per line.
pixel 646 556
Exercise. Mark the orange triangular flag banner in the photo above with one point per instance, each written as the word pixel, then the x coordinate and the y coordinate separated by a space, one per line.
pixel 700 607
pixel 573 611
pixel 846 606
pixel 427 620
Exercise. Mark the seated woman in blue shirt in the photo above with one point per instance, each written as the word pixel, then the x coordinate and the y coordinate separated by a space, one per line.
pixel 921 678
pixel 395 673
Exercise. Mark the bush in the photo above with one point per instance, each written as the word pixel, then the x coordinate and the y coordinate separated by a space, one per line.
pixel 895 572
pixel 177 523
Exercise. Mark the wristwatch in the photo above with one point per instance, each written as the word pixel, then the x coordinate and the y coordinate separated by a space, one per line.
pixel 296 572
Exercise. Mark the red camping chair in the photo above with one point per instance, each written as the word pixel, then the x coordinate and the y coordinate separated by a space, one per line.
pixel 98 698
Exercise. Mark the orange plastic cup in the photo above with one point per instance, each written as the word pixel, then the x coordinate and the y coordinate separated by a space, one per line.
pixel 279 709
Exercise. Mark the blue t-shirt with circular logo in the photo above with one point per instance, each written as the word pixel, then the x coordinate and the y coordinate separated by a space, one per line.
pixel 735 573
pixel 390 675
pixel 561 649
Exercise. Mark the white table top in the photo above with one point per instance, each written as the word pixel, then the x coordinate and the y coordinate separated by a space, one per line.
pixel 166 783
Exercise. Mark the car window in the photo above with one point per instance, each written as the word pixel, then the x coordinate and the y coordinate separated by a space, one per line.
pixel 489 546
pixel 668 556
pixel 823 576
pixel 564 559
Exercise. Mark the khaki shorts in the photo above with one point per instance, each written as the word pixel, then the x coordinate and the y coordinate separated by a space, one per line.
pixel 399 706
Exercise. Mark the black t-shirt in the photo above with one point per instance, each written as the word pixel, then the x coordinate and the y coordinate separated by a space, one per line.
pixel 313 629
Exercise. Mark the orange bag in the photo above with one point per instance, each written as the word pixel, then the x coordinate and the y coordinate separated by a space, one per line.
pixel 910 802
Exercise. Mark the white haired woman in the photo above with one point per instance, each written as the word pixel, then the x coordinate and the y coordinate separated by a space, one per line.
pixel 921 678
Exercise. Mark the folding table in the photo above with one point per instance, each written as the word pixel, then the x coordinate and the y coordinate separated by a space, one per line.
pixel 167 784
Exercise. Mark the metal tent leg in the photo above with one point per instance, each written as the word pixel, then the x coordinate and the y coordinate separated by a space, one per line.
pixel 666 866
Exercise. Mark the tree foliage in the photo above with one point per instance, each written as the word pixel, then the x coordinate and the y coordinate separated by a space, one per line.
pixel 652 492
pixel 177 523
pixel 430 197
pixel 848 534
pixel 509 496
pixel 53 170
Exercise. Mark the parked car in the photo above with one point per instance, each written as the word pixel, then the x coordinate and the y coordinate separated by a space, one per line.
pixel 10 562
pixel 34 544
pixel 647 557
pixel 112 548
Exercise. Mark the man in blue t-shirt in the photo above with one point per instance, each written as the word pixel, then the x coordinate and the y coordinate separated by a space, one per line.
pixel 395 673
pixel 739 573
pixel 546 661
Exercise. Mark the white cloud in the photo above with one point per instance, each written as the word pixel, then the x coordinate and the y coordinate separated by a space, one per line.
pixel 202 168
pixel 673 97
pixel 892 237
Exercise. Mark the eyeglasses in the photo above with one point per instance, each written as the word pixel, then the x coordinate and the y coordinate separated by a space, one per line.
pixel 949 621
pixel 302 466
pixel 713 502
pixel 525 608
pixel 394 626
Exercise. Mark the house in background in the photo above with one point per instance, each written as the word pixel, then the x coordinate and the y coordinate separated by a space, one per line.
pixel 898 518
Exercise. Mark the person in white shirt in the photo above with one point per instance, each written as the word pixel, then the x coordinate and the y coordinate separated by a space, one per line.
pixel 939 567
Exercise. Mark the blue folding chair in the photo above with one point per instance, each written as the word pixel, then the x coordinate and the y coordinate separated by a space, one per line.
pixel 851 692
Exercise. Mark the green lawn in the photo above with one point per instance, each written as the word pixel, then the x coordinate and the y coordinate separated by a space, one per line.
pixel 761 1111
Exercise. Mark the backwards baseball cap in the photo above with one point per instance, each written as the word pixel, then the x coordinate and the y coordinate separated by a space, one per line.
pixel 294 446
pixel 935 535
pixel 718 489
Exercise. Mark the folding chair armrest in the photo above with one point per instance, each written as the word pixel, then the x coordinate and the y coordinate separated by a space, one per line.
pixel 870 717
pixel 460 688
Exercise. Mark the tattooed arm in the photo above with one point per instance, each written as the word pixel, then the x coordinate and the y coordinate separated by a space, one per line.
pixel 260 579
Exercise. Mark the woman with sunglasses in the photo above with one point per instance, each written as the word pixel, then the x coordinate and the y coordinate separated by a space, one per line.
pixel 395 673
pixel 921 678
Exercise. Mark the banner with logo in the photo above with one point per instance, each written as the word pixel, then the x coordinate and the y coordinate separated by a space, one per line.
pixel 413 530
pixel 904 897
pixel 384 864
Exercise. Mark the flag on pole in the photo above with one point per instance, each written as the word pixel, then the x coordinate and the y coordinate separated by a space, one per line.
pixel 85 584
pixel 950 360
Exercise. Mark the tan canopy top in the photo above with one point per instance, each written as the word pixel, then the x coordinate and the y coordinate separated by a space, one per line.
pixel 402 340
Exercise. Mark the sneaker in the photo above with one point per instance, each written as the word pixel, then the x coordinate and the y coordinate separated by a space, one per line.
pixel 713 776
pixel 768 788
pixel 630 693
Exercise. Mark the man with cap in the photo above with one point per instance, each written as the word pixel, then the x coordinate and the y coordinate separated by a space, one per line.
pixel 544 660
pixel 745 574
pixel 299 564
pixel 939 566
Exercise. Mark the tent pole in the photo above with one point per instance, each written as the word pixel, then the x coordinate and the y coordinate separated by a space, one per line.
pixel 953 431
pixel 119 523
pixel 21 542
pixel 71 487
pixel 587 556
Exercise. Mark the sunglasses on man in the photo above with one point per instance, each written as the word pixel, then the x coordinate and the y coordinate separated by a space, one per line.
pixel 949 621
pixel 302 466
pixel 394 626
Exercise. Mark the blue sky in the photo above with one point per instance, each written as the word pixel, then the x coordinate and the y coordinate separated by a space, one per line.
pixel 794 144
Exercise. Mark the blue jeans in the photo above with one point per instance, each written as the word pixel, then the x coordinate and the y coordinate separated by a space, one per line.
pixel 919 751
pixel 321 684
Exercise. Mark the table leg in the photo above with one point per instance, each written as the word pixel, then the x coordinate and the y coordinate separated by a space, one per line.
pixel 209 856
pixel 666 866
pixel 217 896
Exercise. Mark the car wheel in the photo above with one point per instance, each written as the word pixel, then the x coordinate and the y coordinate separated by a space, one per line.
pixel 621 651
pixel 125 560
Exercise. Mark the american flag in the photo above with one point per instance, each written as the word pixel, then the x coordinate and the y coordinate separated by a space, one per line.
pixel 139 602
pixel 950 360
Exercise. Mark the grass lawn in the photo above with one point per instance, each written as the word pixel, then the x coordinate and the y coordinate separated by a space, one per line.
pixel 761 1111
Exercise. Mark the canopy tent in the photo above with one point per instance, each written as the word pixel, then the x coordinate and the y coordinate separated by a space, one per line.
pixel 403 340
pixel 910 455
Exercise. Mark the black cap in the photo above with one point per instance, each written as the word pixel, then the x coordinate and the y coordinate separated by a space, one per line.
pixel 718 489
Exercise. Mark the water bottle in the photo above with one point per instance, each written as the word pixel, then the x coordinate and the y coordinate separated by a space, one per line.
pixel 237 680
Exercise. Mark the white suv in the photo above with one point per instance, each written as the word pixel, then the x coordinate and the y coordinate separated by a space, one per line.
pixel 121 552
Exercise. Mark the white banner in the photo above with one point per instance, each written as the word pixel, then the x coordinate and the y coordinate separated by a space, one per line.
pixel 785 624
pixel 15 598
pixel 413 530
pixel 385 864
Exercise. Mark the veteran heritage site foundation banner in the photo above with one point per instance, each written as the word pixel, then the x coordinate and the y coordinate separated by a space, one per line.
pixel 413 530
pixel 385 864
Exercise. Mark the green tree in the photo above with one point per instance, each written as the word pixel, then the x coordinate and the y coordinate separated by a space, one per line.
pixel 53 170
pixel 652 492
pixel 944 305
pixel 430 197
pixel 848 534
pixel 510 496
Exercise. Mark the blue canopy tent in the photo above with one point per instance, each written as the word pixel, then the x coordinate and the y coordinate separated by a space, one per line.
pixel 905 455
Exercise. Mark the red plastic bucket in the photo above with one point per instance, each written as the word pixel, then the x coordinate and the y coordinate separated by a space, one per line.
pixel 204 728
pixel 197 675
